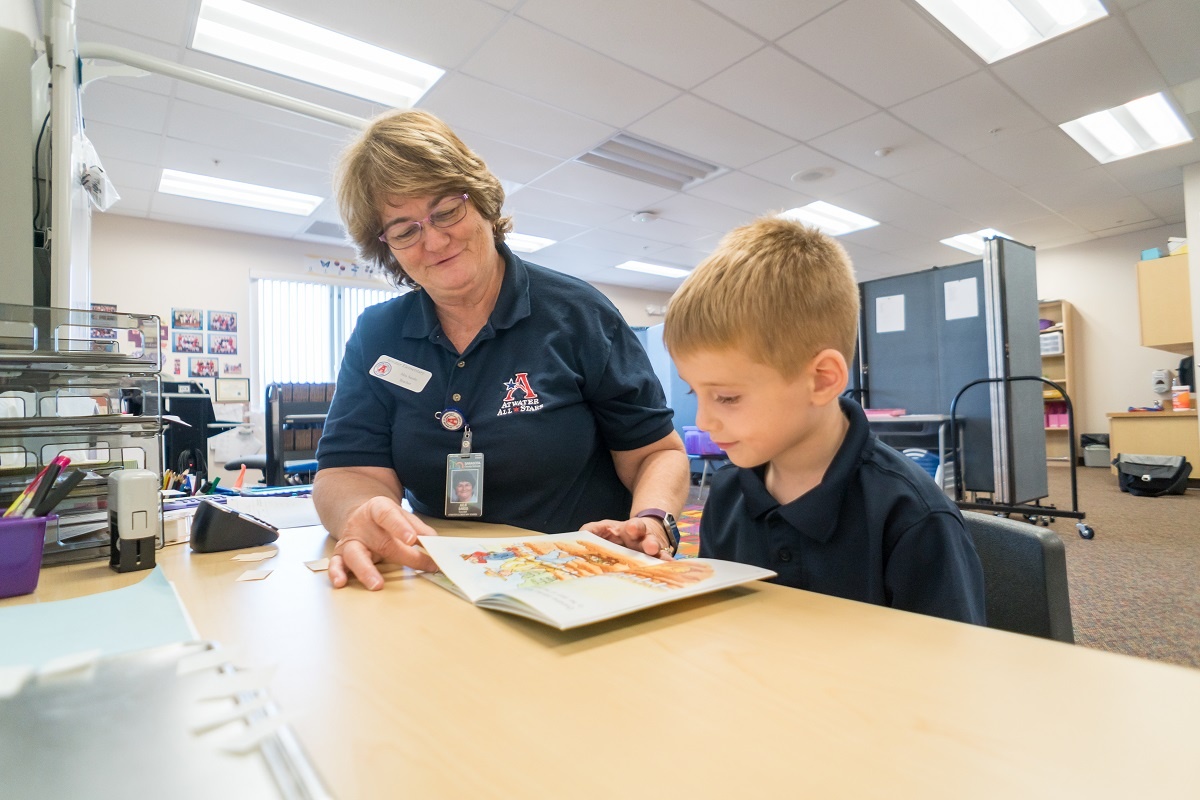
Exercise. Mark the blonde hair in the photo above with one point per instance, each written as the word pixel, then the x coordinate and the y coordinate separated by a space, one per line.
pixel 409 154
pixel 774 288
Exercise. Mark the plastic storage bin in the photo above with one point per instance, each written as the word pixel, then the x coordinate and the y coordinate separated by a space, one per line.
pixel 699 443
pixel 21 541
pixel 1096 455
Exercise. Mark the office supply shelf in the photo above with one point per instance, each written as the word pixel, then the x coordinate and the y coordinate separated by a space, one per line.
pixel 83 384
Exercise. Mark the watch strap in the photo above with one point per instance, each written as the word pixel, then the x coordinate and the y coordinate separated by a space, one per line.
pixel 668 523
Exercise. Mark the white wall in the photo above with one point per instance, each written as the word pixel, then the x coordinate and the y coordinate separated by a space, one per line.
pixel 1099 278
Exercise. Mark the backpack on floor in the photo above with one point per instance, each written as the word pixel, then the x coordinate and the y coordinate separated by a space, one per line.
pixel 1152 476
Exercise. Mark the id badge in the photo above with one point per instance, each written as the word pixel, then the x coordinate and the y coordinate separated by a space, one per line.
pixel 464 485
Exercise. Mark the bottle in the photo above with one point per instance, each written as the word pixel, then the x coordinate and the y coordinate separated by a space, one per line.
pixel 1180 396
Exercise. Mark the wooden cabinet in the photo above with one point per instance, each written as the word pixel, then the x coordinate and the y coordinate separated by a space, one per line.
pixel 1165 304
pixel 1155 433
pixel 1060 368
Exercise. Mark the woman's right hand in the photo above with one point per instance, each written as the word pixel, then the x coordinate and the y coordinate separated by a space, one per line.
pixel 378 530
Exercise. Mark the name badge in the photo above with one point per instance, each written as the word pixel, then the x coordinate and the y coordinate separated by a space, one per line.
pixel 406 376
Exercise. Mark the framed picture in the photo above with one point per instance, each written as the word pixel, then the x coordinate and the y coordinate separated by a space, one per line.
pixel 202 368
pixel 105 310
pixel 188 343
pixel 231 369
pixel 224 321
pixel 232 390
pixel 222 344
pixel 187 318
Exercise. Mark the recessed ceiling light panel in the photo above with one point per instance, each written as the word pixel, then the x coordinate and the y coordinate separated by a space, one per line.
pixel 654 269
pixel 996 29
pixel 1139 126
pixel 524 243
pixel 220 190
pixel 829 218
pixel 973 243
pixel 266 39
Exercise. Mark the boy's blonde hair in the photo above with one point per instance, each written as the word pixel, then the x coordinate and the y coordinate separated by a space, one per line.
pixel 774 288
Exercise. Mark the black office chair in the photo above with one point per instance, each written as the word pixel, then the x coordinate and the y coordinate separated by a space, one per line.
pixel 295 416
pixel 1024 575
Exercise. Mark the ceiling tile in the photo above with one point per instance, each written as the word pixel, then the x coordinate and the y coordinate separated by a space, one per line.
pixel 1042 231
pixel 562 208
pixel 976 111
pixel 164 22
pixel 1033 156
pixel 686 257
pixel 90 32
pixel 591 183
pixel 1092 68
pixel 582 80
pixel 533 225
pixel 634 247
pixel 133 203
pixel 661 230
pixel 904 148
pixel 507 161
pixel 886 52
pixel 678 41
pixel 241 165
pixel 1166 203
pixel 132 175
pixel 882 237
pixel 750 194
pixel 775 90
pixel 465 102
pixel 126 107
pixel 1169 30
pixel 113 141
pixel 692 210
pixel 1083 187
pixel 698 128
pixel 211 98
pixel 1108 214
pixel 884 201
pixel 771 20
pixel 781 167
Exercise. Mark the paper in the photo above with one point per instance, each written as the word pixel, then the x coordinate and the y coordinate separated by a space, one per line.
pixel 261 555
pixel 962 299
pixel 255 574
pixel 282 512
pixel 889 314
pixel 320 565
pixel 146 614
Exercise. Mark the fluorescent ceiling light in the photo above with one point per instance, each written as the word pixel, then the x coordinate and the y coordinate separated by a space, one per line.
pixel 996 29
pixel 1139 126
pixel 203 187
pixel 524 243
pixel 829 219
pixel 973 243
pixel 266 39
pixel 655 269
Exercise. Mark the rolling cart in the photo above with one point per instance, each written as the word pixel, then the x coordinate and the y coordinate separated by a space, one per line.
pixel 1035 512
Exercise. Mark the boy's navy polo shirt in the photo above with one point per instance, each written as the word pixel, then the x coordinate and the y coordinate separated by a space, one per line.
pixel 876 529
pixel 553 382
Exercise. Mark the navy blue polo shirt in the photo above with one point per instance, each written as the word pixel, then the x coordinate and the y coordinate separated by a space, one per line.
pixel 876 529
pixel 552 383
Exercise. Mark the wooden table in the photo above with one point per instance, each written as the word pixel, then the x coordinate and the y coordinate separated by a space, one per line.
pixel 1156 433
pixel 755 691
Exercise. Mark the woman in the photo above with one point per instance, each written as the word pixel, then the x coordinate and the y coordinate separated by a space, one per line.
pixel 488 355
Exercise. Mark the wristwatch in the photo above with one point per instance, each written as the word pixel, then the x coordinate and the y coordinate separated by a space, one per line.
pixel 668 523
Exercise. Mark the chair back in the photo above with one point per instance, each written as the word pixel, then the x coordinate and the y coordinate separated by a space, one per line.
pixel 1024 575
pixel 295 417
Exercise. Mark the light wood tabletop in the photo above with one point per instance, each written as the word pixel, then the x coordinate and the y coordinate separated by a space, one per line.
pixel 753 691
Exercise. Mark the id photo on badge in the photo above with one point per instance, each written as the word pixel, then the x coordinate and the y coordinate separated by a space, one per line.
pixel 464 485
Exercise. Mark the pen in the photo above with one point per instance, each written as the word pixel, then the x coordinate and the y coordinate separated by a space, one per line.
pixel 44 486
pixel 237 484
pixel 19 505
pixel 59 493
pixel 212 487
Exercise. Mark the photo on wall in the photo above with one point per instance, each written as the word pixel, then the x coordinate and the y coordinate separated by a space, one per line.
pixel 224 321
pixel 191 319
pixel 187 343
pixel 220 344
pixel 202 367
pixel 102 314
pixel 231 368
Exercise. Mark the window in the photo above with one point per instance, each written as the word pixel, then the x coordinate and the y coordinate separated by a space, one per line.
pixel 303 327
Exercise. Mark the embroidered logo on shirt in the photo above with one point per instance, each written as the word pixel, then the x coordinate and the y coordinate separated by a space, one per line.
pixel 529 400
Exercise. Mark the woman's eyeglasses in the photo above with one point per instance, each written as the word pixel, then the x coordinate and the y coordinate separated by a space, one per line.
pixel 406 234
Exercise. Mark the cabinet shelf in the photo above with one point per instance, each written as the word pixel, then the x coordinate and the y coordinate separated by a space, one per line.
pixel 1060 368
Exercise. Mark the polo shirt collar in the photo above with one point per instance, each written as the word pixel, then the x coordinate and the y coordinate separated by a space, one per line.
pixel 816 512
pixel 512 304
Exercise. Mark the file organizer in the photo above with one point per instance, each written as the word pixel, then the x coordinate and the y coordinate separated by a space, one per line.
pixel 84 384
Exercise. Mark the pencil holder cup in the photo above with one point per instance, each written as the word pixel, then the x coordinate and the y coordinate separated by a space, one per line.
pixel 21 543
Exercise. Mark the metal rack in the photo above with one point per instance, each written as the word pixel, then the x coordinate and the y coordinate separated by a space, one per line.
pixel 84 384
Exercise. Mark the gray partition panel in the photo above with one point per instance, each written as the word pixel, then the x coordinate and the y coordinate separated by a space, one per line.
pixel 901 364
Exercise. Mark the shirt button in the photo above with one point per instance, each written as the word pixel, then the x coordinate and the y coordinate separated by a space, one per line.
pixel 457 397
pixel 784 555
pixel 462 364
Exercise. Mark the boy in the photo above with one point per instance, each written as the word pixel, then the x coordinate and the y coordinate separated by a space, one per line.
pixel 762 331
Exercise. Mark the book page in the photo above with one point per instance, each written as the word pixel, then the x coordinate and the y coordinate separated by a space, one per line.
pixel 571 579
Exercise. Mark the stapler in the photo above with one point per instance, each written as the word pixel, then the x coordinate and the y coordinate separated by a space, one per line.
pixel 216 528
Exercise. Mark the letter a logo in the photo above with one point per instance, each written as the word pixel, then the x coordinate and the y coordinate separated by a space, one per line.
pixel 521 381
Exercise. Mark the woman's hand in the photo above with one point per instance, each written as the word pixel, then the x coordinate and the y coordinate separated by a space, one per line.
pixel 644 534
pixel 378 530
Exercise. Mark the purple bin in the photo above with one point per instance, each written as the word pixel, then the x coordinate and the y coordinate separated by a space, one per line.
pixel 21 542
pixel 699 444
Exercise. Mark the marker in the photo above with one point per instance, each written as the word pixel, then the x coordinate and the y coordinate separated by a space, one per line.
pixel 59 493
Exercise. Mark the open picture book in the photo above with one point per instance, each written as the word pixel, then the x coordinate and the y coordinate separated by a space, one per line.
pixel 570 579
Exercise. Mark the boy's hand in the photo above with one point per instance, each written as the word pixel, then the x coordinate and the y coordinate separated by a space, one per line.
pixel 640 533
